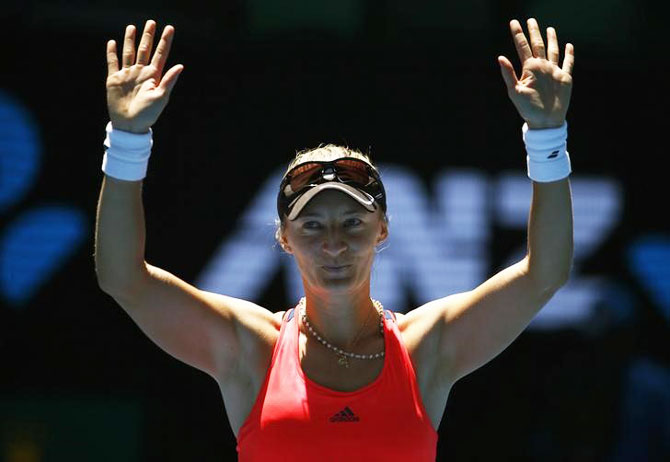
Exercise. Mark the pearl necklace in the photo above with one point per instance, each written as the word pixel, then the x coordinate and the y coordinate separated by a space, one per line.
pixel 342 360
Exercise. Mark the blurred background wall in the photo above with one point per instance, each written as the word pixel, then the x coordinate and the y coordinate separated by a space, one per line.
pixel 415 84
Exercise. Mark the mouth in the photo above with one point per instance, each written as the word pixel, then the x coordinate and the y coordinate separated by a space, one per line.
pixel 336 268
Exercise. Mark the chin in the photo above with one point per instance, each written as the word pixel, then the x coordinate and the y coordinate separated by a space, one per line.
pixel 334 284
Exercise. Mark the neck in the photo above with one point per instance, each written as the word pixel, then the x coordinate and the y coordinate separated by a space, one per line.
pixel 341 319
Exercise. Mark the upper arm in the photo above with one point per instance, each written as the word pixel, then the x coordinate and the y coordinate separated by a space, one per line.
pixel 478 325
pixel 197 327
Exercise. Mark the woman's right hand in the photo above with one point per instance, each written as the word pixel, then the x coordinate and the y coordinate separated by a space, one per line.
pixel 136 93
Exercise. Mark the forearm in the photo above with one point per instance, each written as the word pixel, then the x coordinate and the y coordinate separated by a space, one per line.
pixel 550 237
pixel 119 234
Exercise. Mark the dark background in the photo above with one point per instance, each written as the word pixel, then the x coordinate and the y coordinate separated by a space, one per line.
pixel 263 79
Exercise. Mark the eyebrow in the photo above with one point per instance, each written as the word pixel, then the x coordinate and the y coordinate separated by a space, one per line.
pixel 316 214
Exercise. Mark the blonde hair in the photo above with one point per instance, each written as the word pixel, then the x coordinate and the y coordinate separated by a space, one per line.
pixel 323 152
pixel 327 152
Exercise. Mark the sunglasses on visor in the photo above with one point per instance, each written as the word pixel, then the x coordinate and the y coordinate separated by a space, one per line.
pixel 347 170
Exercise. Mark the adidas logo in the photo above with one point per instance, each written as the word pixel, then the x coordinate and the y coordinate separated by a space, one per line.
pixel 345 415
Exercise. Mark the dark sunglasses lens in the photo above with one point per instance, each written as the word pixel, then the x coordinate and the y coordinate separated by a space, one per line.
pixel 353 170
pixel 303 174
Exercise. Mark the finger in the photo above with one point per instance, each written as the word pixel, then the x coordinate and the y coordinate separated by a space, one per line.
pixel 569 59
pixel 129 46
pixel 170 78
pixel 163 49
pixel 112 58
pixel 536 42
pixel 520 42
pixel 508 74
pixel 147 42
pixel 552 45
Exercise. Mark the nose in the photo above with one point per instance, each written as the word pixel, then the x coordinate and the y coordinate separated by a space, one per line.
pixel 333 244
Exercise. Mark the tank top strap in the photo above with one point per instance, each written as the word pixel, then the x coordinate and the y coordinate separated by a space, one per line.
pixel 388 314
pixel 289 314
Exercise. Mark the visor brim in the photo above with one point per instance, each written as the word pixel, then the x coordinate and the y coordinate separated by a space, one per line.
pixel 361 197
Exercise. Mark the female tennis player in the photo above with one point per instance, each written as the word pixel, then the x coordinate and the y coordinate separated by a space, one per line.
pixel 336 377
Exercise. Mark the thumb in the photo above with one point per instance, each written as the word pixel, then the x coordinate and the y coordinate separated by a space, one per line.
pixel 507 71
pixel 170 78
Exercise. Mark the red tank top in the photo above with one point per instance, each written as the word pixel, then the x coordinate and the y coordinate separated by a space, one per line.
pixel 296 419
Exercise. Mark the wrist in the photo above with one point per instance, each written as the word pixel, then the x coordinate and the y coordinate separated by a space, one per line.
pixel 548 159
pixel 120 126
pixel 126 153
pixel 128 125
pixel 537 125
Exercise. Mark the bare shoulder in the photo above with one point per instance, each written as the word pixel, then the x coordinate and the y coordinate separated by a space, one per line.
pixel 418 322
pixel 425 320
pixel 246 313
pixel 411 337
pixel 257 326
pixel 256 329
pixel 400 319
pixel 420 331
pixel 278 316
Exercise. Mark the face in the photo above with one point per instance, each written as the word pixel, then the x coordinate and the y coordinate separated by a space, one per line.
pixel 333 241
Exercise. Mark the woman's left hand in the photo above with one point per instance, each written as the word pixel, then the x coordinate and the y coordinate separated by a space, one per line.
pixel 542 94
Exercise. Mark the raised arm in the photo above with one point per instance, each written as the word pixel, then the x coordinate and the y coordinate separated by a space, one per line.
pixel 196 327
pixel 136 95
pixel 476 326
pixel 542 96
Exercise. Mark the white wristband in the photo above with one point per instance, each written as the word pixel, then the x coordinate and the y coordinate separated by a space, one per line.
pixel 548 158
pixel 126 154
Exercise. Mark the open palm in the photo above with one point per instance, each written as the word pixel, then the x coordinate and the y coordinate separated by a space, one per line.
pixel 542 93
pixel 136 93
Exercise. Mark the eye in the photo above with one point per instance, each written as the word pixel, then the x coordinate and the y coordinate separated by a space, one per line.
pixel 311 225
pixel 353 222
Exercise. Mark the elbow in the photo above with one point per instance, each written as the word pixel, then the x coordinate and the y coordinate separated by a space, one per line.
pixel 546 288
pixel 552 283
pixel 123 294
pixel 559 280
pixel 107 280
pixel 109 286
pixel 119 283
pixel 549 278
pixel 104 280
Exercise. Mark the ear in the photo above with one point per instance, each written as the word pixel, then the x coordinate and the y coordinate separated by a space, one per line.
pixel 383 233
pixel 284 242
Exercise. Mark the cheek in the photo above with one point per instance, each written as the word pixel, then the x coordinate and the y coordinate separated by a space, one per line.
pixel 362 241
